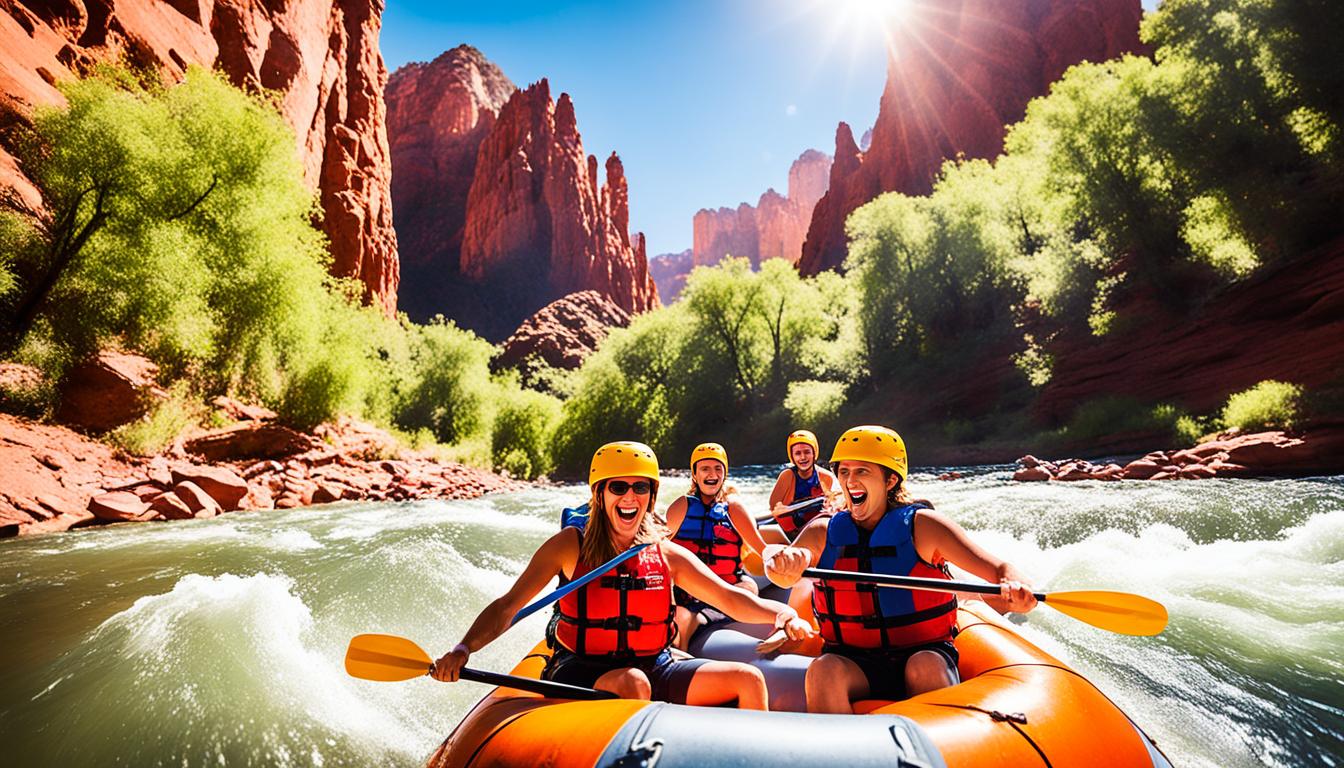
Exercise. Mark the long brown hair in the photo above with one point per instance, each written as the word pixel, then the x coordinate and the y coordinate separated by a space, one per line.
pixel 596 547
pixel 900 495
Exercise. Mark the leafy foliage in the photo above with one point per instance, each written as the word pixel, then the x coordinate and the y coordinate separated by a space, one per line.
pixel 522 433
pixel 1267 405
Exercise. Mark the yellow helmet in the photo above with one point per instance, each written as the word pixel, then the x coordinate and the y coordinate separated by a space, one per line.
pixel 801 436
pixel 879 445
pixel 624 458
pixel 709 451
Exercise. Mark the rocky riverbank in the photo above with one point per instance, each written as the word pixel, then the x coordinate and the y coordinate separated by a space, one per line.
pixel 1319 450
pixel 54 479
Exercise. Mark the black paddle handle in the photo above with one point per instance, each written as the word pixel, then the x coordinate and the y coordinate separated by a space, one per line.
pixel 543 687
pixel 770 517
pixel 910 582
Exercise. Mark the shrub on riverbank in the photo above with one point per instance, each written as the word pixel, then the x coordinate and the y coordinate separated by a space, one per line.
pixel 166 419
pixel 1267 405
pixel 524 425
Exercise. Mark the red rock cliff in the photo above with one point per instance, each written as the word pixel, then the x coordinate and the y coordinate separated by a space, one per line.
pixel 1285 324
pixel 775 228
pixel 321 55
pixel 538 224
pixel 962 71
pixel 437 116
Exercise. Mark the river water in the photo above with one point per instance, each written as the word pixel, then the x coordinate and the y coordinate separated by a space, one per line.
pixel 220 642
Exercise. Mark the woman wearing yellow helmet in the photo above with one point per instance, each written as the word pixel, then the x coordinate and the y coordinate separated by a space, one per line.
pixel 881 642
pixel 800 481
pixel 615 632
pixel 712 524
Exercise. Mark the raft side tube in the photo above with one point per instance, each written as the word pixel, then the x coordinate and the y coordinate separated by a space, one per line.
pixel 785 674
pixel 676 736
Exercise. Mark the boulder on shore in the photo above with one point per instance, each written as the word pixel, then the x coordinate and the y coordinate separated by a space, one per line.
pixel 1317 450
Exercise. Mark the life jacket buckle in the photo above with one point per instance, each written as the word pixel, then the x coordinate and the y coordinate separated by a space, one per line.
pixel 627 623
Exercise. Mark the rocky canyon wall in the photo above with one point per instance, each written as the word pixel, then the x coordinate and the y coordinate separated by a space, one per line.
pixel 321 56
pixel 774 228
pixel 500 209
pixel 962 71
pixel 438 115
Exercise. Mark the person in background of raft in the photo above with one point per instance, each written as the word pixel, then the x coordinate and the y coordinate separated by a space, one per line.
pixel 880 642
pixel 799 481
pixel 615 632
pixel 712 524
pixel 802 479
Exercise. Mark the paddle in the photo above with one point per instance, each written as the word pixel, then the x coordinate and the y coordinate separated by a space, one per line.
pixel 794 507
pixel 1118 612
pixel 577 583
pixel 388 658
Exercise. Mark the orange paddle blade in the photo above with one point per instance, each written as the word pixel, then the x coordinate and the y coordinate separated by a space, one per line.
pixel 751 562
pixel 1119 612
pixel 385 658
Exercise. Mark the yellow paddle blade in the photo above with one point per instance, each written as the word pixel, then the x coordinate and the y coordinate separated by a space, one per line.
pixel 385 658
pixel 751 563
pixel 1119 612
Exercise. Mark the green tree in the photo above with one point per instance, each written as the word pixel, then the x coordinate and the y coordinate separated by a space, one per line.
pixel 449 391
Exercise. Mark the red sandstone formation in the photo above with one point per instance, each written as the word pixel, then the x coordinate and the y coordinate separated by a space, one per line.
pixel 53 479
pixel 775 228
pixel 1317 450
pixel 320 55
pixel 669 271
pixel 538 224
pixel 437 116
pixel 1285 325
pixel 964 70
pixel 562 334
pixel 108 391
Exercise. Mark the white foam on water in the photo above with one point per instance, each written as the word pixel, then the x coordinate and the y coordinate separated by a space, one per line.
pixel 383 521
pixel 213 648
pixel 1241 612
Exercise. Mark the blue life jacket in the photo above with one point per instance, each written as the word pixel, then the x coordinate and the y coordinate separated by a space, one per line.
pixel 709 533
pixel 575 517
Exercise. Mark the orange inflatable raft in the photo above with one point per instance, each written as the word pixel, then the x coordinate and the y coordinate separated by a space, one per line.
pixel 1016 706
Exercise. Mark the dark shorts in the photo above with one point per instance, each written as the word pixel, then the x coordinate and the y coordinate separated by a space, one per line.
pixel 670 678
pixel 885 670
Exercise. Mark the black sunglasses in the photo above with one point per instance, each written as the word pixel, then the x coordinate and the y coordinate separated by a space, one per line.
pixel 621 487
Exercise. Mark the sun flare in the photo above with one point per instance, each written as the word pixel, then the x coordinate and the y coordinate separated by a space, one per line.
pixel 856 22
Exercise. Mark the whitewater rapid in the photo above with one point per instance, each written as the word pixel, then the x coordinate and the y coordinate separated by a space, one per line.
pixel 220 642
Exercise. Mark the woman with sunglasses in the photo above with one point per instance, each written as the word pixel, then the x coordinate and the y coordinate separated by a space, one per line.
pixel 615 633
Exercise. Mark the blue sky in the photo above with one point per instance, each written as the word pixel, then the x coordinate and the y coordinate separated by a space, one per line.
pixel 707 103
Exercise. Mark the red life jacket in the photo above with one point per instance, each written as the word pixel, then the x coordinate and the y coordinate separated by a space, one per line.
pixel 793 522
pixel 624 614
pixel 865 615
pixel 709 534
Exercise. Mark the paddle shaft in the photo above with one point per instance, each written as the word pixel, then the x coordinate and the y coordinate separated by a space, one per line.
pixel 576 584
pixel 543 687
pixel 794 507
pixel 912 582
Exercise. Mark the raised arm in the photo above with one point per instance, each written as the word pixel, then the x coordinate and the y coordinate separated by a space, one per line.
pixel 556 556
pixel 745 525
pixel 695 577
pixel 938 538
